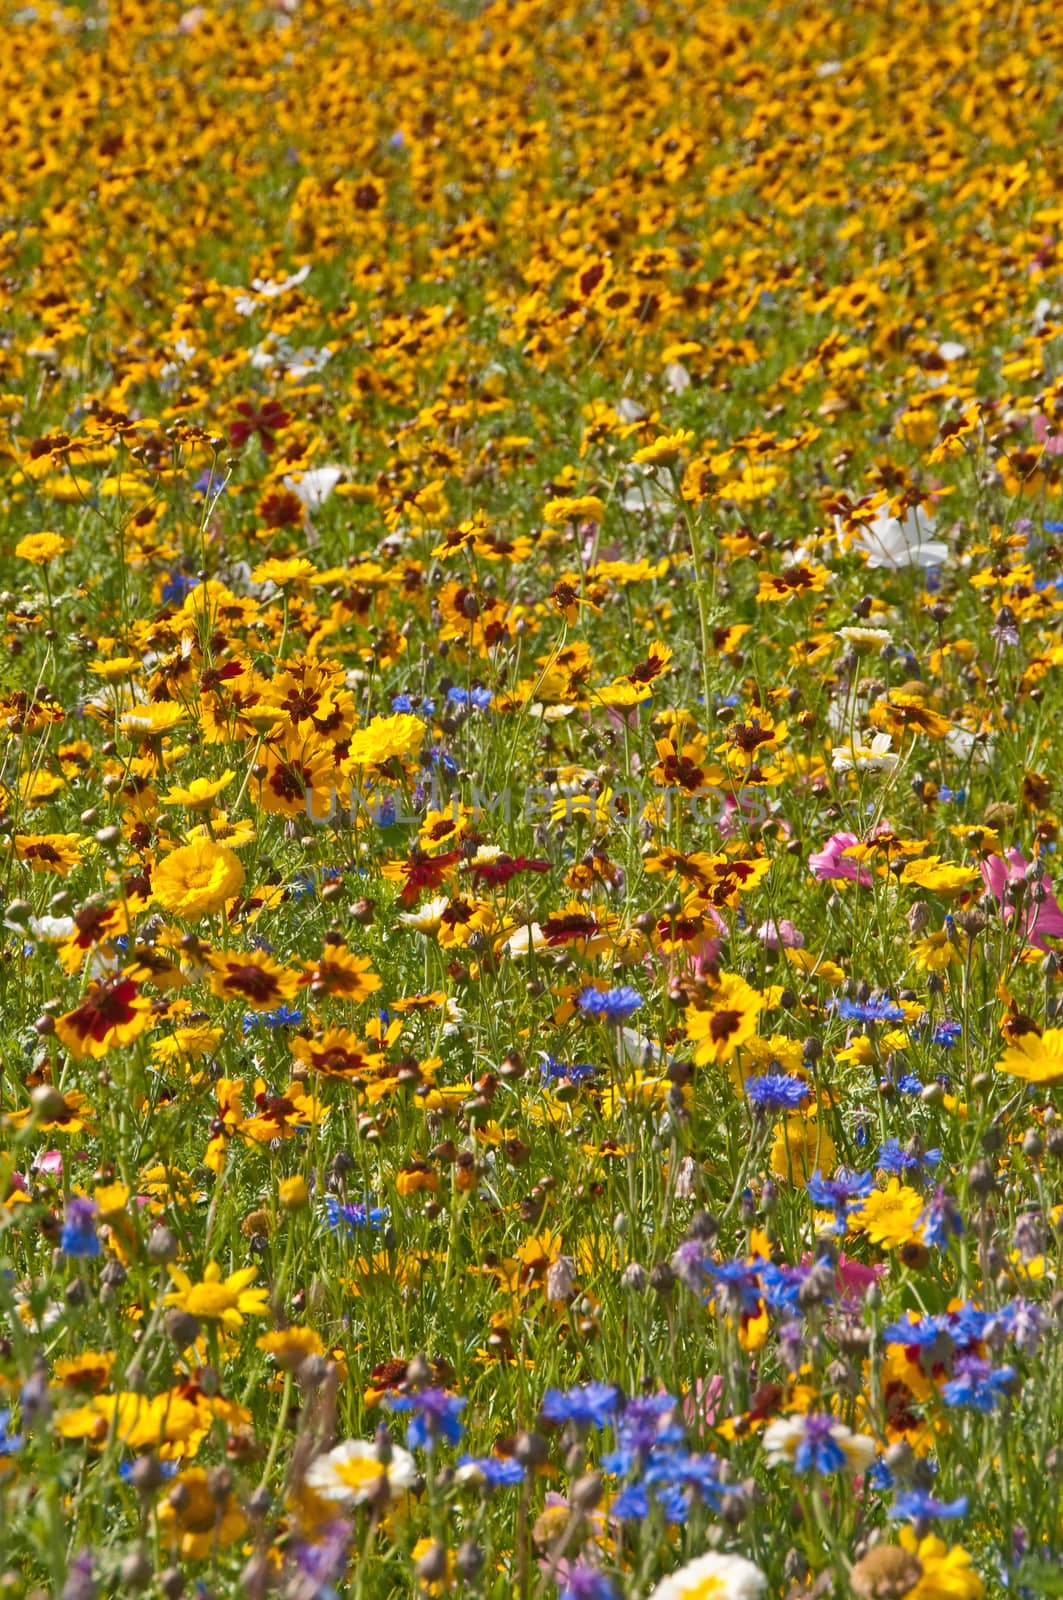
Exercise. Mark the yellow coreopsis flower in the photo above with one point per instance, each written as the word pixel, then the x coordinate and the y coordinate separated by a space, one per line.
pixel 200 793
pixel 727 1022
pixel 385 738
pixel 40 548
pixel 890 1216
pixel 197 879
pixel 1036 1058
pixel 217 1299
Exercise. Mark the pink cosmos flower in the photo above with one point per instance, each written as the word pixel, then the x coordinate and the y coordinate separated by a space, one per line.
pixel 1038 918
pixel 780 935
pixel 832 863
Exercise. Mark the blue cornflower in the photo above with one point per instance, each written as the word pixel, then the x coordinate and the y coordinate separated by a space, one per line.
pixel 169 1469
pixel 819 1451
pixel 941 1219
pixel 777 1091
pixel 842 1193
pixel 402 702
pixel 737 1284
pixel 283 1017
pixel 946 1033
pixel 584 1582
pixel 497 1472
pixel 611 1005
pixel 977 1385
pixel 436 1417
pixel 879 1008
pixel 478 699
pixel 10 1443
pixel 894 1158
pixel 78 1237
pixel 918 1506
pixel 352 1217
pixel 909 1083
pixel 590 1405
pixel 632 1504
pixel 176 587
pixel 553 1070
pixel 645 1424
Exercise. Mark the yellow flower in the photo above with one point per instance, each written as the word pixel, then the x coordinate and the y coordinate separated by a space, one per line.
pixel 197 879
pixel 198 1519
pixel 293 1193
pixel 200 794
pixel 40 548
pixel 151 721
pixel 728 1022
pixel 939 877
pixel 289 1347
pixel 801 1147
pixel 935 953
pixel 1037 1058
pixel 575 508
pixel 385 738
pixel 890 1216
pixel 49 852
pixel 218 1299
pixel 947 1572
pixel 665 450
pixel 295 571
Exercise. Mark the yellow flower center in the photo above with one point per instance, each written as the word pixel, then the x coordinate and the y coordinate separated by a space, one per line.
pixel 210 1300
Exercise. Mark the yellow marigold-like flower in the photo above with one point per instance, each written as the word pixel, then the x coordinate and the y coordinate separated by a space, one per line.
pixel 1036 1058
pixel 151 721
pixel 218 1299
pixel 935 953
pixel 197 879
pixel 289 1347
pixel 295 571
pixel 40 548
pixel 574 508
pixel 293 1193
pixel 198 1520
pixel 728 1021
pixel 200 793
pixel 947 1573
pixel 939 877
pixel 802 1145
pixel 890 1216
pixel 385 738
pixel 663 451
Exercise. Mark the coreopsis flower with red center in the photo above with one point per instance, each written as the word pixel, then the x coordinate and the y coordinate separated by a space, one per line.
pixel 298 785
pixel 337 971
pixel 800 579
pixel 338 1053
pixel 49 852
pixel 112 1014
pixel 265 422
pixel 253 978
pixel 726 1022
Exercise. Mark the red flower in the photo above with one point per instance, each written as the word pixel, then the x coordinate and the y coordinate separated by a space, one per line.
pixel 266 423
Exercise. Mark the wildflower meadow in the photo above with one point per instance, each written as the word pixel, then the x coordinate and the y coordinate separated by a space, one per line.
pixel 531 1010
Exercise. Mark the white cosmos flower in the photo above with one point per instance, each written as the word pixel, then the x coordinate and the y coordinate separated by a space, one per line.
pixel 314 486
pixel 878 756
pixel 426 918
pixel 713 1576
pixel 890 543
pixel 529 937
pixel 352 1472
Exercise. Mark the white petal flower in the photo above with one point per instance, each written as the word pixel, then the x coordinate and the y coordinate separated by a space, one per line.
pixel 352 1472
pixel 713 1576
pixel 878 756
pixel 890 543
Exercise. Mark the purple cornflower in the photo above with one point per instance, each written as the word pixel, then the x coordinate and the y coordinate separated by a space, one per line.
pixel 78 1237
pixel 977 1385
pixel 584 1582
pixel 437 1414
pixel 610 1005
